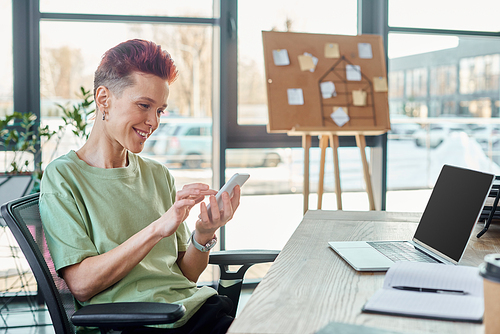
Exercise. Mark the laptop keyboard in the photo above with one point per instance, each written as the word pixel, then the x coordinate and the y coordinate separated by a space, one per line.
pixel 401 251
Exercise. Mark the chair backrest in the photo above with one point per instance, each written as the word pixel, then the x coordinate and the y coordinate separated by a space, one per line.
pixel 23 218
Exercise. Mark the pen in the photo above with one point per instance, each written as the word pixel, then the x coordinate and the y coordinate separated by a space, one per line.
pixel 410 288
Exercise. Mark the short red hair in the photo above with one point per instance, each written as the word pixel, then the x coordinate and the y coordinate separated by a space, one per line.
pixel 135 55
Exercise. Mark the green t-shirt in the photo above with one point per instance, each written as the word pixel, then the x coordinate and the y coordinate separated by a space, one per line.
pixel 87 211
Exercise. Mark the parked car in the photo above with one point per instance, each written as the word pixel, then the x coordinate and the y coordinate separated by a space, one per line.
pixel 403 130
pixel 437 133
pixel 189 142
pixel 403 127
pixel 485 134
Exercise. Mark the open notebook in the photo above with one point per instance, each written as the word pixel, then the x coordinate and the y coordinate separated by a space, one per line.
pixel 429 290
pixel 444 229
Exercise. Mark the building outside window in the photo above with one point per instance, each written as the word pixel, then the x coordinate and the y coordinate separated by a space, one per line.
pixel 396 84
pixel 416 82
pixel 443 80
pixel 456 122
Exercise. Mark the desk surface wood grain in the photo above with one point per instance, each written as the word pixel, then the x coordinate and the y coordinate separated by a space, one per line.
pixel 309 285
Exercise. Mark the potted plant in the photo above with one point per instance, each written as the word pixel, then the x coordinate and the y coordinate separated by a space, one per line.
pixel 22 141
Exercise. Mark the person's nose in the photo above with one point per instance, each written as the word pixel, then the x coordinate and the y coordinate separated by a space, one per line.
pixel 152 121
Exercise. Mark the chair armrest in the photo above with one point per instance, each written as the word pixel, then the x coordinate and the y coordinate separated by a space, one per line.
pixel 230 282
pixel 242 257
pixel 121 315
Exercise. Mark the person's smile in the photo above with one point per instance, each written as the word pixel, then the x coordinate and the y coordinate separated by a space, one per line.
pixel 143 134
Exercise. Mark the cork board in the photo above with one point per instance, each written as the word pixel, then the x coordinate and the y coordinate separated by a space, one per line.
pixel 299 87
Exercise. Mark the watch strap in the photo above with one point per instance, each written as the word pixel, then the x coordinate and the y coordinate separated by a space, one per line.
pixel 204 248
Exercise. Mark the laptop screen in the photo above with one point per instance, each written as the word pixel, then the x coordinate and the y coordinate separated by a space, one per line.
pixel 453 208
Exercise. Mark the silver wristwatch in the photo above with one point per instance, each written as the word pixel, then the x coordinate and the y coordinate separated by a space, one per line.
pixel 204 248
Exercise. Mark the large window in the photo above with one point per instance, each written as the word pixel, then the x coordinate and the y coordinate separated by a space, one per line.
pixel 279 171
pixel 68 63
pixel 70 51
pixel 456 120
pixel 442 84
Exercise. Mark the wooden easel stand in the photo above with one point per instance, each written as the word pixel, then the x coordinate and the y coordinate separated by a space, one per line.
pixel 333 138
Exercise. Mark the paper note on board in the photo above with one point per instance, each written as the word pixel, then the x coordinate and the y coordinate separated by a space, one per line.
pixel 332 50
pixel 306 62
pixel 295 96
pixel 359 98
pixel 314 59
pixel 365 50
pixel 380 84
pixel 280 57
pixel 328 89
pixel 339 116
pixel 353 72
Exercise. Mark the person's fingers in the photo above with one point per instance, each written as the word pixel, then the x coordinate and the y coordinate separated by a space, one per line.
pixel 235 199
pixel 197 192
pixel 214 209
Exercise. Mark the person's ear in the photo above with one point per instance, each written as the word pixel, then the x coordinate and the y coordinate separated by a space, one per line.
pixel 102 96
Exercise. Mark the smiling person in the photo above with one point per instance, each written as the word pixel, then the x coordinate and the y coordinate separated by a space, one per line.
pixel 114 223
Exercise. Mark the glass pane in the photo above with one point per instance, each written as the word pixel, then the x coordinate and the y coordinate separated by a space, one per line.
pixel 186 8
pixel 272 197
pixel 13 262
pixel 7 82
pixel 481 15
pixel 67 63
pixel 316 16
pixel 276 174
pixel 444 106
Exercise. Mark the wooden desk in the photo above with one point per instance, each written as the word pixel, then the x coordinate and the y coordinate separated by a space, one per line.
pixel 309 285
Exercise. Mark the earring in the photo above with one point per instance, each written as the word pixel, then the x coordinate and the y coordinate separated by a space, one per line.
pixel 103 114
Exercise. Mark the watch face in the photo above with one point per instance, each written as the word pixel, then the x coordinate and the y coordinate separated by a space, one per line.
pixel 211 244
pixel 204 248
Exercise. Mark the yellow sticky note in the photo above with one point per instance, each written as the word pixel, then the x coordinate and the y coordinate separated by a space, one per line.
pixel 359 98
pixel 306 63
pixel 380 84
pixel 332 50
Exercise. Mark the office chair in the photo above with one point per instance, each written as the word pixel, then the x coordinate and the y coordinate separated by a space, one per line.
pixel 23 218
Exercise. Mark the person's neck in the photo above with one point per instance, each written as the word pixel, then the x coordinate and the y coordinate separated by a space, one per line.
pixel 97 152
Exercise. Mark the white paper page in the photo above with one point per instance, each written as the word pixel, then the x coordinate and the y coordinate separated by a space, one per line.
pixel 280 57
pixel 468 306
pixel 434 276
pixel 353 72
pixel 315 60
pixel 365 50
pixel 340 117
pixel 328 89
pixel 295 96
pixel 426 304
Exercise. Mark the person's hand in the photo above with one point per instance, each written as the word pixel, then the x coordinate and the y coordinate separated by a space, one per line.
pixel 207 224
pixel 185 199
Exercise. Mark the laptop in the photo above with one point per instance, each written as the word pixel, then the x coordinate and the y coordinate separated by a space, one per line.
pixel 444 229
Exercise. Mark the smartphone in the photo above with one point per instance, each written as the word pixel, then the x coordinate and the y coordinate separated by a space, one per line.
pixel 236 179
